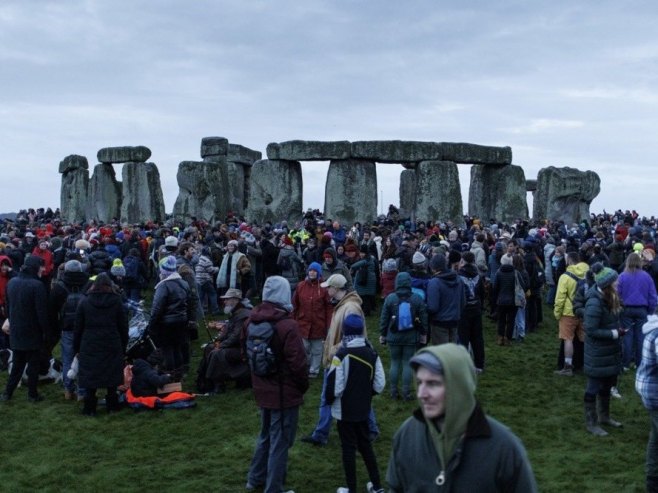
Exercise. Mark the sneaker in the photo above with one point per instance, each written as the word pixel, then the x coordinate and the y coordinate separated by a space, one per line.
pixel 614 392
pixel 312 441
pixel 371 489
pixel 342 489
pixel 567 371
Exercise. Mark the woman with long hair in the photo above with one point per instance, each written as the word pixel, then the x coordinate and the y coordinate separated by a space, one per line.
pixel 603 352
pixel 520 318
pixel 637 292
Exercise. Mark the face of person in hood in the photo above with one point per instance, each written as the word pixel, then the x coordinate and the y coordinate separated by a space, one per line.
pixel 431 393
pixel 312 274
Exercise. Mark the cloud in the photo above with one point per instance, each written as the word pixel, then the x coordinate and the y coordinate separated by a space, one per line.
pixel 542 125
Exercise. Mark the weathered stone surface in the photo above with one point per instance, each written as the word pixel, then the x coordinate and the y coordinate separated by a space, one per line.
pixel 275 191
pixel 475 154
pixel 73 195
pixel 309 150
pixel 214 146
pixel 531 185
pixel 565 194
pixel 243 155
pixel 202 191
pixel 407 193
pixel 142 193
pixel 126 154
pixel 351 191
pixel 235 175
pixel 396 151
pixel 69 163
pixel 104 195
pixel 438 195
pixel 498 192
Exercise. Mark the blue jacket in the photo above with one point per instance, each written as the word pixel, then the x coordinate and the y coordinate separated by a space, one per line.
pixel 637 289
pixel 445 298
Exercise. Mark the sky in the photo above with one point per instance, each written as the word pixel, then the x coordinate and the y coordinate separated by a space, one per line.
pixel 562 83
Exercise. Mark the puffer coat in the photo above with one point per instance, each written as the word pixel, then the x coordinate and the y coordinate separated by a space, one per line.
pixel 602 350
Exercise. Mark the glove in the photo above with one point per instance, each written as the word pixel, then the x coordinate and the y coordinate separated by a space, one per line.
pixel 621 331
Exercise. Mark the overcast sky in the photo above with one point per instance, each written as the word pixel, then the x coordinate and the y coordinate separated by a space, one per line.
pixel 562 84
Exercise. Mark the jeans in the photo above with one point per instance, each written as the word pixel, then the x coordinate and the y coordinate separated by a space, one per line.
pixel 506 317
pixel 269 464
pixel 66 344
pixel 321 431
pixel 313 349
pixel 652 454
pixel 208 293
pixel 550 294
pixel 633 318
pixel 400 356
pixel 519 322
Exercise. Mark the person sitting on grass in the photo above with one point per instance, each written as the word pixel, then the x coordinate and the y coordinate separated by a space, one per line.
pixel 146 377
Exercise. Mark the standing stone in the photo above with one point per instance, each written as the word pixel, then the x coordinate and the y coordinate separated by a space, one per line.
pixel 276 190
pixel 104 196
pixel 202 191
pixel 498 192
pixel 351 191
pixel 235 175
pixel 74 161
pixel 565 194
pixel 438 195
pixel 408 192
pixel 126 154
pixel 214 146
pixel 142 193
pixel 73 195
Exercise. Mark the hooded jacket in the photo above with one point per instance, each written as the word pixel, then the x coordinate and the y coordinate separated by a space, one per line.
pixel 475 452
pixel 388 317
pixel 602 344
pixel 312 307
pixel 646 378
pixel 566 290
pixel 336 267
pixel 445 298
pixel 27 310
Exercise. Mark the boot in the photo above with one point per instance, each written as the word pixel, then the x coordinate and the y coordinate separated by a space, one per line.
pixel 500 341
pixel 89 408
pixel 603 408
pixel 591 420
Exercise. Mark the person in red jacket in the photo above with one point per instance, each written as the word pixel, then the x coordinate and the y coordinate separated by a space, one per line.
pixel 279 395
pixel 42 250
pixel 312 309
pixel 6 273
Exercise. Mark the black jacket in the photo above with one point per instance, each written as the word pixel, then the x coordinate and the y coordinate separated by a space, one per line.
pixel 27 308
pixel 171 307
pixel 146 379
pixel 70 281
pixel 101 335
pixel 503 286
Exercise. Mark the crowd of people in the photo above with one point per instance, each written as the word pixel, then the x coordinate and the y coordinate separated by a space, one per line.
pixel 430 282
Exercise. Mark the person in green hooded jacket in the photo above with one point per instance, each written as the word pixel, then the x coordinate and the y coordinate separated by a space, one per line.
pixel 462 448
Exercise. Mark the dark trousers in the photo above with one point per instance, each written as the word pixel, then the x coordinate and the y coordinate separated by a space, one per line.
pixel 20 359
pixel 368 304
pixel 532 312
pixel 506 317
pixel 470 331
pixel 353 436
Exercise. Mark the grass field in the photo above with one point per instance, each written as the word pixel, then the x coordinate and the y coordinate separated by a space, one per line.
pixel 50 447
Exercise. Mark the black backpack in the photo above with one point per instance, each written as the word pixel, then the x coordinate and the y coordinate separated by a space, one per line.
pixel 67 312
pixel 260 355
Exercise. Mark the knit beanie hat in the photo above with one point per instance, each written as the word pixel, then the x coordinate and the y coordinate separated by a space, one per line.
pixel 353 325
pixel 418 258
pixel 73 266
pixel 438 263
pixel 117 269
pixel 316 267
pixel 168 264
pixel 171 241
pixel 506 259
pixel 389 265
pixel 603 276
pixel 638 247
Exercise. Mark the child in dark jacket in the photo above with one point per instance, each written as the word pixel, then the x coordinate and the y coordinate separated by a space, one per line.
pixel 356 374
pixel 146 379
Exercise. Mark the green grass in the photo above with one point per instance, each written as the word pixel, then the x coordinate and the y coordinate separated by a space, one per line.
pixel 51 447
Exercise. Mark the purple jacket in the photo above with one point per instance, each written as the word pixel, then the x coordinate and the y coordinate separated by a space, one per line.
pixel 637 289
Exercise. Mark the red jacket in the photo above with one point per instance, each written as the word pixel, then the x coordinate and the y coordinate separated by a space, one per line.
pixel 312 309
pixel 280 392
pixel 388 283
pixel 48 259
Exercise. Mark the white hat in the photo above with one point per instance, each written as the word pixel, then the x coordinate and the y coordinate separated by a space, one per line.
pixel 337 281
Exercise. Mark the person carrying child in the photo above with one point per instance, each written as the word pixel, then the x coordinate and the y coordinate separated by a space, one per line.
pixel 356 373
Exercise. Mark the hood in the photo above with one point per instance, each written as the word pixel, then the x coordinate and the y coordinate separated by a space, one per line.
pixel 403 284
pixel 460 384
pixel 450 278
pixel 651 324
pixel 331 252
pixel 277 291
pixel 268 311
pixel 4 258
pixel 77 279
pixel 580 269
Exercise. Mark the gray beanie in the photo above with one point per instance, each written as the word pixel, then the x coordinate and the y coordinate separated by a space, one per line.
pixel 73 266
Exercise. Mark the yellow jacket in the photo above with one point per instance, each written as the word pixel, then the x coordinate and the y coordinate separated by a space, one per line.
pixel 566 290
